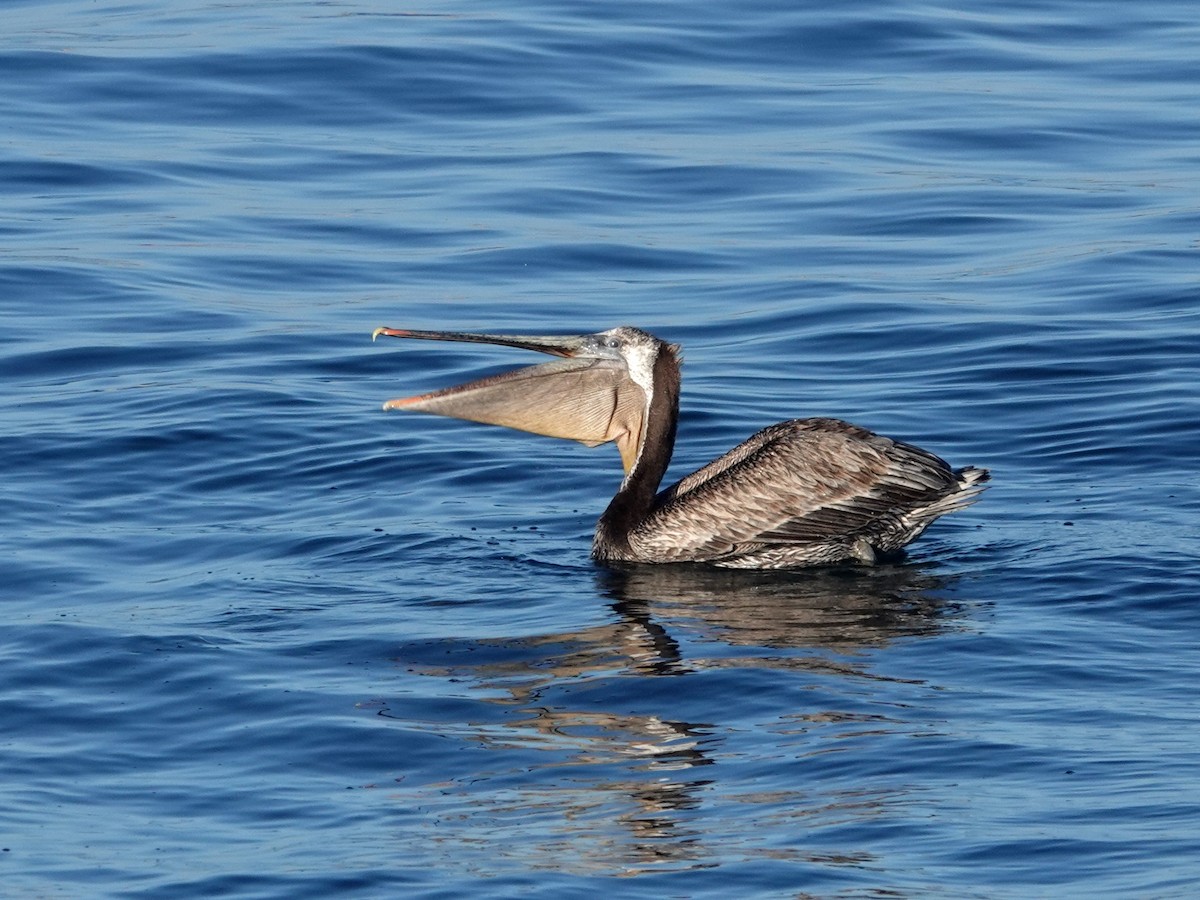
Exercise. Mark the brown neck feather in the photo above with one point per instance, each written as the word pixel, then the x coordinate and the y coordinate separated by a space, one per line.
pixel 635 499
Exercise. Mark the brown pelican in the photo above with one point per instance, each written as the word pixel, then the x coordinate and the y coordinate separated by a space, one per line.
pixel 803 492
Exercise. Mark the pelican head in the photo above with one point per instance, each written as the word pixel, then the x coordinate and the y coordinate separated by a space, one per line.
pixel 599 389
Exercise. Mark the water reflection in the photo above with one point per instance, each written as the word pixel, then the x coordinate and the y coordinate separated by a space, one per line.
pixel 615 771
pixel 834 608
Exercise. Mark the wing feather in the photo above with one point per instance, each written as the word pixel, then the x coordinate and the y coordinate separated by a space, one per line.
pixel 806 481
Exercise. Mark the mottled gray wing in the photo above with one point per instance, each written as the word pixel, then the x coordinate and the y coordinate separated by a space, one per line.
pixel 803 481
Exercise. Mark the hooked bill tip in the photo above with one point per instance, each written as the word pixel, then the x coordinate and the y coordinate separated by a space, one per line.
pixel 390 332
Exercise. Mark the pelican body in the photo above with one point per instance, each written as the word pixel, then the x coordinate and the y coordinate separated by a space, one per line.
pixel 800 493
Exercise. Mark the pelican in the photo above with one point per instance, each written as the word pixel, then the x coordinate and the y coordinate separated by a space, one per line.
pixel 800 493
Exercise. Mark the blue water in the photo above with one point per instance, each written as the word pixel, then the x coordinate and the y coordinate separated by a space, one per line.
pixel 262 639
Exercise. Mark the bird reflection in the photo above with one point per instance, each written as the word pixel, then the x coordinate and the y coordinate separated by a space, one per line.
pixel 843 608
pixel 601 720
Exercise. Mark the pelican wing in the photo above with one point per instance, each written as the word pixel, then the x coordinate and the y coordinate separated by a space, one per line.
pixel 807 481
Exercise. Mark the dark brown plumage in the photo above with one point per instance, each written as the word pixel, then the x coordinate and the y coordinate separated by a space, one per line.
pixel 800 493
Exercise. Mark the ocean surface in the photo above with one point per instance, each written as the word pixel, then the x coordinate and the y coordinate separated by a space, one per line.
pixel 262 639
